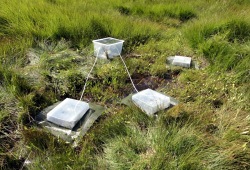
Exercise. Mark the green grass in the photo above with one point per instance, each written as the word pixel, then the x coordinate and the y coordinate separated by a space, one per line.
pixel 46 52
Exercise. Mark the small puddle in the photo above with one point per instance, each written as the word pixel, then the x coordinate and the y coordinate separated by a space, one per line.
pixel 148 82
pixel 143 82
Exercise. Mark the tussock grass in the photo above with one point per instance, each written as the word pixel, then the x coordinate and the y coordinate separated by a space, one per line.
pixel 224 44
pixel 160 12
pixel 38 22
pixel 45 53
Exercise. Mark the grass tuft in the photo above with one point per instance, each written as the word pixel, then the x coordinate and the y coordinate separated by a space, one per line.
pixel 239 31
pixel 46 52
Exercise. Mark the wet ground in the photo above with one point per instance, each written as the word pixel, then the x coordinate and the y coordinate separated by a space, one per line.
pixel 144 81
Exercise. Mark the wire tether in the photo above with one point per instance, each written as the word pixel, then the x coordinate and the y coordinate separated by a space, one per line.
pixel 86 80
pixel 84 87
pixel 128 73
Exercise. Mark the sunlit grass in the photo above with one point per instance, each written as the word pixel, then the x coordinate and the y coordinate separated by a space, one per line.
pixel 209 129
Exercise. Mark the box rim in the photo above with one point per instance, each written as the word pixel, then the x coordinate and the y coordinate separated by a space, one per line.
pixel 96 41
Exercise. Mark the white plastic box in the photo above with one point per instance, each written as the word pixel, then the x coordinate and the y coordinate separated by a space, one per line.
pixel 107 47
pixel 150 101
pixel 182 61
pixel 68 112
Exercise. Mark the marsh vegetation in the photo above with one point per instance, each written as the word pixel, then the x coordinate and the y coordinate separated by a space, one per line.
pixel 46 52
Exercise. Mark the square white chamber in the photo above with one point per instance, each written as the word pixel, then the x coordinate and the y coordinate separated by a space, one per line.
pixel 182 61
pixel 68 112
pixel 150 101
pixel 107 47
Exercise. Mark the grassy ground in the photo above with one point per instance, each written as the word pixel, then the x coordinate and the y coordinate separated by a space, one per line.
pixel 45 54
